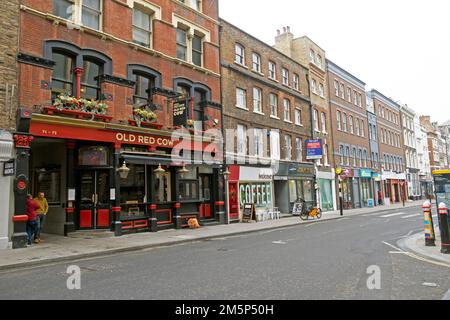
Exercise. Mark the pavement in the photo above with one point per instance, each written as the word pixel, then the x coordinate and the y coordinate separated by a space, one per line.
pixel 416 244
pixel 61 249
pixel 351 258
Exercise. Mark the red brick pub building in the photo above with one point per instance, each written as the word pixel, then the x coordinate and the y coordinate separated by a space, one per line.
pixel 103 85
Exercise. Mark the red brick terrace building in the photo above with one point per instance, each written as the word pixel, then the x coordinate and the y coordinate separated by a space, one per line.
pixel 137 56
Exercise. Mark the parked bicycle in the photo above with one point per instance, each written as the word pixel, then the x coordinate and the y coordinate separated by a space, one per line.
pixel 315 212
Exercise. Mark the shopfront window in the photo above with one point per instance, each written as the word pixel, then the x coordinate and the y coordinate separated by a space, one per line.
pixel 259 193
pixel 162 188
pixel 48 181
pixel 188 185
pixel 132 189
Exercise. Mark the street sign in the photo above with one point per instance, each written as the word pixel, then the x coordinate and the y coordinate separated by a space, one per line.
pixel 9 168
pixel 314 149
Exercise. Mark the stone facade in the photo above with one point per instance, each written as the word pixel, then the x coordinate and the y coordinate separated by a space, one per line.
pixel 9 40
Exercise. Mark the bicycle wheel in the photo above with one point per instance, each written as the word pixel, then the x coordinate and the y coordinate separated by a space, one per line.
pixel 319 214
pixel 304 216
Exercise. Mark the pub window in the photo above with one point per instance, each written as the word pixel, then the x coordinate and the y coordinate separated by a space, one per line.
pixel 197 51
pixel 141 27
pixel 181 44
pixel 199 99
pixel 63 9
pixel 144 83
pixel 90 87
pixel 48 181
pixel 93 156
pixel 63 75
pixel 188 185
pixel 163 190
pixel 90 13
pixel 185 91
pixel 132 189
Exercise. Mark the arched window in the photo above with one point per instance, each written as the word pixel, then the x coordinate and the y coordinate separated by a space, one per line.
pixel 68 58
pixel 90 86
pixel 145 80
pixel 200 93
pixel 63 75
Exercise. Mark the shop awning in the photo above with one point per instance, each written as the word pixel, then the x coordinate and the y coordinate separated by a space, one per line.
pixel 155 160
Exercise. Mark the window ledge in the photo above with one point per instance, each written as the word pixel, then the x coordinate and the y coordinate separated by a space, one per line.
pixel 242 108
pixel 260 113
pixel 241 65
pixel 288 121
pixel 299 125
pixel 274 117
pixel 258 72
pixel 287 86
pixel 274 80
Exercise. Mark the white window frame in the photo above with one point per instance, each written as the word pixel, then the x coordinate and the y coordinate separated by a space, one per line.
pixel 257 100
pixel 285 76
pixel 256 62
pixel 241 54
pixel 287 110
pixel 272 70
pixel 298 116
pixel 241 96
pixel 296 81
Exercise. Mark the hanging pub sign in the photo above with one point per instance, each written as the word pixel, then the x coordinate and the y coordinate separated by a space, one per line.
pixel 314 149
pixel 181 110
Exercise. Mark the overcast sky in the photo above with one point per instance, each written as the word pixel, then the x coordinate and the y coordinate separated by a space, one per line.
pixel 399 47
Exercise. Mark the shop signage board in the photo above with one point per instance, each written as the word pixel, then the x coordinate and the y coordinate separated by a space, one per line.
pixel 9 168
pixel 249 213
pixel 442 187
pixel 314 149
pixel 58 131
pixel 366 173
pixel 298 209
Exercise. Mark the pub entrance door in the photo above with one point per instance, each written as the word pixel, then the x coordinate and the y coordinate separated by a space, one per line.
pixel 94 200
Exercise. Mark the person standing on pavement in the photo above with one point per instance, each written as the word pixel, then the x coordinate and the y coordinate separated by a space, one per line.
pixel 32 223
pixel 41 213
pixel 380 198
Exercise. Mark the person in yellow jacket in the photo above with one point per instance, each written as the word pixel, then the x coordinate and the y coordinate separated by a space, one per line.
pixel 41 213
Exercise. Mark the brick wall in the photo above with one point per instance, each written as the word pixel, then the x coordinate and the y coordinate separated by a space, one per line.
pixel 9 27
pixel 114 41
pixel 235 75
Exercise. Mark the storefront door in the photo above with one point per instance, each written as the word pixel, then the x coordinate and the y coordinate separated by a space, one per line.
pixel 206 208
pixel 94 200
pixel 233 199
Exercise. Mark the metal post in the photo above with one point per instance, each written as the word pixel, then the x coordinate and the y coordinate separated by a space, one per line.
pixel 429 228
pixel 444 226
pixel 341 198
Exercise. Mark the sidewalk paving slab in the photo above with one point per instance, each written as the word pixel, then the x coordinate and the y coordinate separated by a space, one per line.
pixel 63 249
pixel 416 245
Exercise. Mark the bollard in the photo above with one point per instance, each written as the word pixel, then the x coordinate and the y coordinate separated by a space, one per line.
pixel 429 228
pixel 445 232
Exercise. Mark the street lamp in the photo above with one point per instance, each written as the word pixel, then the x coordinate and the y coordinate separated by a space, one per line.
pixel 123 171
pixel 159 170
pixel 226 174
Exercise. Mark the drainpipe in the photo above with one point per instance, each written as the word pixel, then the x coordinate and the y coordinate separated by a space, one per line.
pixel 311 111
pixel 227 209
